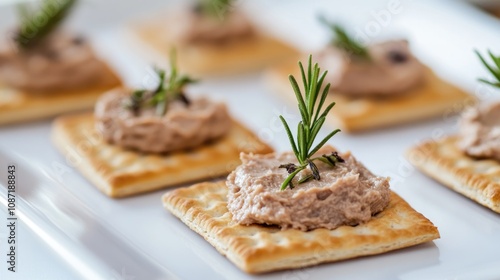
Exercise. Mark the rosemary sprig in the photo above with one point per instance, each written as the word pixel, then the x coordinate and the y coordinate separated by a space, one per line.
pixel 37 24
pixel 343 41
pixel 308 128
pixel 494 69
pixel 169 89
pixel 214 8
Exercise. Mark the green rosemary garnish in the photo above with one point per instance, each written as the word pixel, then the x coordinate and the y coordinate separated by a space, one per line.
pixel 37 24
pixel 213 8
pixel 309 126
pixel 167 91
pixel 494 69
pixel 343 41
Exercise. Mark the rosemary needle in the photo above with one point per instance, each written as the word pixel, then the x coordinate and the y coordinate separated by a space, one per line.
pixel 214 8
pixel 36 25
pixel 344 41
pixel 493 69
pixel 170 87
pixel 310 106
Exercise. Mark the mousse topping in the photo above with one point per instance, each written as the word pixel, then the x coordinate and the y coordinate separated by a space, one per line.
pixel 480 126
pixel 57 62
pixel 312 186
pixel 392 70
pixel 183 125
pixel 480 131
pixel 202 25
pixel 39 59
pixel 347 194
pixel 383 69
pixel 160 120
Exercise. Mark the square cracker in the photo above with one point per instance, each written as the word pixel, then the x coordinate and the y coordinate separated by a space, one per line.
pixel 443 161
pixel 233 57
pixel 17 106
pixel 258 249
pixel 434 98
pixel 119 172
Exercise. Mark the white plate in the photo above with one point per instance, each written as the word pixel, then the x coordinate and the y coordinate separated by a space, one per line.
pixel 135 237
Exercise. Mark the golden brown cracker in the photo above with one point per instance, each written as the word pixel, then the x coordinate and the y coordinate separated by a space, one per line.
pixel 119 172
pixel 476 179
pixel 258 249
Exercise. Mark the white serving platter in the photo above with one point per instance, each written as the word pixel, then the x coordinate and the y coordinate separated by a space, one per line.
pixel 135 238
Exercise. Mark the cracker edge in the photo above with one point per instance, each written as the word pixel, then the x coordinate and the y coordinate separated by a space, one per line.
pixel 116 186
pixel 474 186
pixel 81 100
pixel 260 260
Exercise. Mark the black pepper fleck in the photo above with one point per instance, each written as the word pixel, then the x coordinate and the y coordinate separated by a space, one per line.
pixel 184 99
pixel 397 56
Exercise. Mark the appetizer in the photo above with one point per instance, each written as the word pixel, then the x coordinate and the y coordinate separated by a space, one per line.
pixel 375 83
pixel 300 208
pixel 468 163
pixel 44 71
pixel 144 140
pixel 213 38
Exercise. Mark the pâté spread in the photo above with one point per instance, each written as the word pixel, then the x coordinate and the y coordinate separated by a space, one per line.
pixel 347 194
pixel 184 125
pixel 390 70
pixel 193 26
pixel 57 62
pixel 480 131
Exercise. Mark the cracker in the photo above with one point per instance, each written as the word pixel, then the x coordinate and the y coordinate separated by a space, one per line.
pixel 476 179
pixel 119 172
pixel 234 57
pixel 258 249
pixel 434 98
pixel 17 106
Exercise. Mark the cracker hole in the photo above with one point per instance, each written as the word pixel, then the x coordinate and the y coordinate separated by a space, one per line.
pixel 364 231
pixel 279 239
